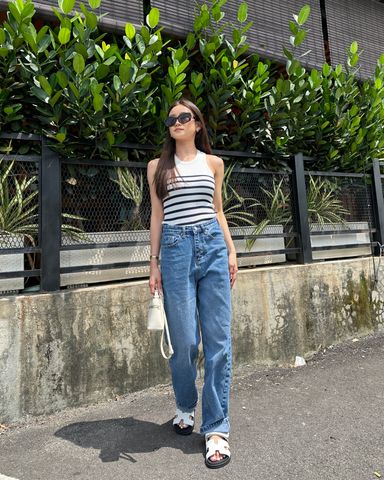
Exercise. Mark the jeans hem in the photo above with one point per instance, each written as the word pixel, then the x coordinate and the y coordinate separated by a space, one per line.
pixel 219 426
pixel 186 409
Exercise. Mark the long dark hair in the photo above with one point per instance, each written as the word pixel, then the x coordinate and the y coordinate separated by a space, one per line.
pixel 165 170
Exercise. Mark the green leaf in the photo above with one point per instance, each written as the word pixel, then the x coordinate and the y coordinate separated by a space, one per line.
pixel 45 84
pixel 354 59
pixel 116 83
pixel 62 79
pixel 53 100
pixel 102 71
pixel 44 43
pixel 110 60
pixel 140 43
pixel 110 137
pixel 66 6
pixel 60 137
pixel 125 72
pixel 183 66
pixel 217 13
pixel 29 33
pixel 287 53
pixel 242 13
pixel 94 3
pixel 293 27
pixel 2 36
pixel 236 36
pixel 191 41
pixel 75 91
pixel 78 63
pixel 4 52
pixel 303 14
pixel 82 49
pixel 354 47
pixel 40 94
pixel 300 37
pixel 65 31
pixel 130 31
pixel 326 69
pixel 153 18
pixel 98 102
pixel 91 20
pixel 146 34
pixel 14 11
pixel 378 83
pixel 100 51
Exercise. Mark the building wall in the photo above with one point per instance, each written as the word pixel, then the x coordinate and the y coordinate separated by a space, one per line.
pixel 82 346
pixel 347 20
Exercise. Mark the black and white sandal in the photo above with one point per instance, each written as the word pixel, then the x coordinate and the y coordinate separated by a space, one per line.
pixel 214 445
pixel 187 419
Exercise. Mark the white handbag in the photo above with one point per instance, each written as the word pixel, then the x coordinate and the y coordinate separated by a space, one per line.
pixel 157 320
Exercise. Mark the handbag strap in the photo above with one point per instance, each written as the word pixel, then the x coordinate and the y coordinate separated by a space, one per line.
pixel 170 348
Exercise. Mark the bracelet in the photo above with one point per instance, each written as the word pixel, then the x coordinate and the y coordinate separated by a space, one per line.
pixel 154 256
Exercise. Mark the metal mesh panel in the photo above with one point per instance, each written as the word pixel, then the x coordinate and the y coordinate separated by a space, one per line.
pixel 360 20
pixel 19 204
pixel 258 208
pixel 108 206
pixel 340 215
pixel 19 209
pixel 100 198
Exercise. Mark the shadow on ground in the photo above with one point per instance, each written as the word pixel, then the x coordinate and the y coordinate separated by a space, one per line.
pixel 120 438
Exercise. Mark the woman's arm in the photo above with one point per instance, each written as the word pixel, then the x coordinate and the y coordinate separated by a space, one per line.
pixel 217 165
pixel 157 215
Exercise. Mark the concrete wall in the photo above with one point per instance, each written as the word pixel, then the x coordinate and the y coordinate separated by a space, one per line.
pixel 81 346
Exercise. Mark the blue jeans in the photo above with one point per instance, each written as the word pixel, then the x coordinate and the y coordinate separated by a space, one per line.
pixel 197 293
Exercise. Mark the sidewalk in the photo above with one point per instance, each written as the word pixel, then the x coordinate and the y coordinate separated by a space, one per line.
pixel 322 421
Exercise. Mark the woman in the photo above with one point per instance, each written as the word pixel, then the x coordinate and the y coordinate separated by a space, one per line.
pixel 198 269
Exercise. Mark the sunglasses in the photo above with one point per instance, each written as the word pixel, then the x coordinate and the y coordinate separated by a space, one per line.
pixel 183 118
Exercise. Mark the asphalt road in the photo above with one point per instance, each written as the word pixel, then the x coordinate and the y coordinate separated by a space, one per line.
pixel 317 422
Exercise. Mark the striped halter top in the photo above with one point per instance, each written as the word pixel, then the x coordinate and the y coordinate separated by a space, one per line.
pixel 190 197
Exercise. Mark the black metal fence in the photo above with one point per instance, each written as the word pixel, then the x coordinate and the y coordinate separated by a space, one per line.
pixel 67 222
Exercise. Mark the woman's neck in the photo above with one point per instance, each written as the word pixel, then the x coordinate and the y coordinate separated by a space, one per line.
pixel 186 152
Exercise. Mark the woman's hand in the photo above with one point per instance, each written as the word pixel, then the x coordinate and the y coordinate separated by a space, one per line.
pixel 232 263
pixel 155 278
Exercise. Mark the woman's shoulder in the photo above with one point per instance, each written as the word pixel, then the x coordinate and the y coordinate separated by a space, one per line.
pixel 215 162
pixel 152 164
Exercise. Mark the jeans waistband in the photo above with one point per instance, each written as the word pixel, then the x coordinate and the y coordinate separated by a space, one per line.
pixel 199 227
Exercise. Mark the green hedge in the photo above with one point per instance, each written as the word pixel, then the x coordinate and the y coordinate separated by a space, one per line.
pixel 75 83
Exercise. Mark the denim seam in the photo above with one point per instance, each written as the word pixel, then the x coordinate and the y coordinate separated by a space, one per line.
pixel 215 424
pixel 227 378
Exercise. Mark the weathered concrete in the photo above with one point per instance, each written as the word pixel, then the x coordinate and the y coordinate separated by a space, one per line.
pixel 82 346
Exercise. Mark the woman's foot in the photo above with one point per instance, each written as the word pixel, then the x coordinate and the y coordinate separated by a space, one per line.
pixel 184 422
pixel 217 451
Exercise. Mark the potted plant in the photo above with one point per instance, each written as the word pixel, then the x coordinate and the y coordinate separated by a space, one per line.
pixel 276 210
pixel 240 214
pixel 326 213
pixel 18 217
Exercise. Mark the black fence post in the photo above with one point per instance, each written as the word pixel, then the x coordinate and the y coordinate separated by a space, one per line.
pixel 300 212
pixel 50 218
pixel 378 202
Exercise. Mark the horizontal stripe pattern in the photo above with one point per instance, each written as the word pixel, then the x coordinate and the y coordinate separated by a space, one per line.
pixel 190 196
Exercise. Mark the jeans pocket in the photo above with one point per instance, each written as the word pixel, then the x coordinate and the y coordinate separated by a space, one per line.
pixel 214 232
pixel 170 239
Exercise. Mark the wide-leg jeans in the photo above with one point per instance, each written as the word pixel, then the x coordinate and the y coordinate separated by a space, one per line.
pixel 196 285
